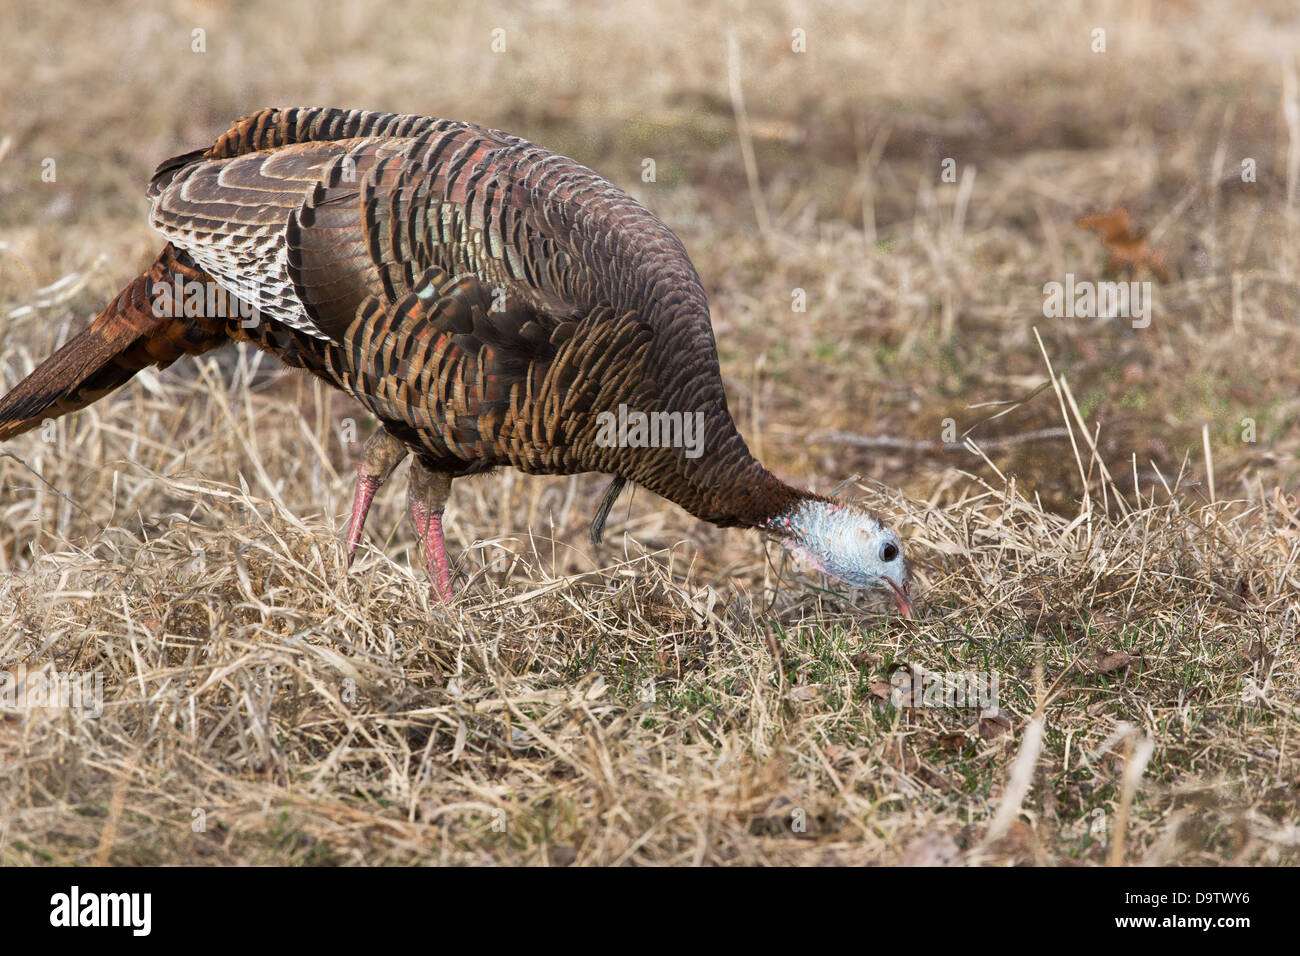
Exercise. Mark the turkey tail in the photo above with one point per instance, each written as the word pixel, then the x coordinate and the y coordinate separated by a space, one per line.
pixel 124 338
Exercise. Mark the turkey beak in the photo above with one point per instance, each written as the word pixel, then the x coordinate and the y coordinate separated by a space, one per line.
pixel 903 596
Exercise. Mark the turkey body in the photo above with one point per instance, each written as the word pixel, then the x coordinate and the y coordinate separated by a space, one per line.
pixel 484 298
pixel 491 303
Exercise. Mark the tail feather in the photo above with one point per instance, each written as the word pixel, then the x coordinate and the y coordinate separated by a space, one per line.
pixel 126 337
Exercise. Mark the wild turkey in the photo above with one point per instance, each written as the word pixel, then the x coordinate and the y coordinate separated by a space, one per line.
pixel 490 302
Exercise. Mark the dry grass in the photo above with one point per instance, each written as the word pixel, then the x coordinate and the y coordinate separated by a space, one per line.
pixel 681 695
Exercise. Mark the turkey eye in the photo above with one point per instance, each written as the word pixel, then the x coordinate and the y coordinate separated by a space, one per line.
pixel 888 553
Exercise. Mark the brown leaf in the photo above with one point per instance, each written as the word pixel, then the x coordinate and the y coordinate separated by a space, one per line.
pixel 1126 247
pixel 882 689
pixel 865 658
pixel 994 725
pixel 806 693
pixel 903 680
pixel 1017 843
pixel 954 743
pixel 1257 652
pixel 1109 663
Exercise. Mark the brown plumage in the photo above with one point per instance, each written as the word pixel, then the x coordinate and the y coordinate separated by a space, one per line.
pixel 487 300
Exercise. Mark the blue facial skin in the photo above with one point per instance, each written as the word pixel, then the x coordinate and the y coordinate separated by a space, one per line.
pixel 847 543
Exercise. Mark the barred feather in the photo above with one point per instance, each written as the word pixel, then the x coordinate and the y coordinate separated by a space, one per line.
pixel 486 299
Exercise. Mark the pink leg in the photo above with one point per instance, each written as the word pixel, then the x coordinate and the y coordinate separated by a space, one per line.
pixel 367 484
pixel 427 496
pixel 428 526
pixel 381 454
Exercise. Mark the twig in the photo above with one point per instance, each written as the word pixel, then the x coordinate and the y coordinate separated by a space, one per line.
pixel 745 135
pixel 1105 472
pixel 922 445
pixel 1209 460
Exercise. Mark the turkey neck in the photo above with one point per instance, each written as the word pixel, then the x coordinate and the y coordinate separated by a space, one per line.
pixel 725 485
pixel 711 474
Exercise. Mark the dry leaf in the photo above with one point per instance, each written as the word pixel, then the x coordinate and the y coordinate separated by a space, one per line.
pixel 804 693
pixel 1109 663
pixel 1017 843
pixel 954 743
pixel 882 689
pixel 994 725
pixel 597 688
pixel 1126 247
pixel 866 659
pixel 902 681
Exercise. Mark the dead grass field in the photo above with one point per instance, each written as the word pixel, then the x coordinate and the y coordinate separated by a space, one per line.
pixel 1110 546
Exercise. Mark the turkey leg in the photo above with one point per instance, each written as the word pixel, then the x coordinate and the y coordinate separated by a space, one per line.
pixel 427 496
pixel 381 454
